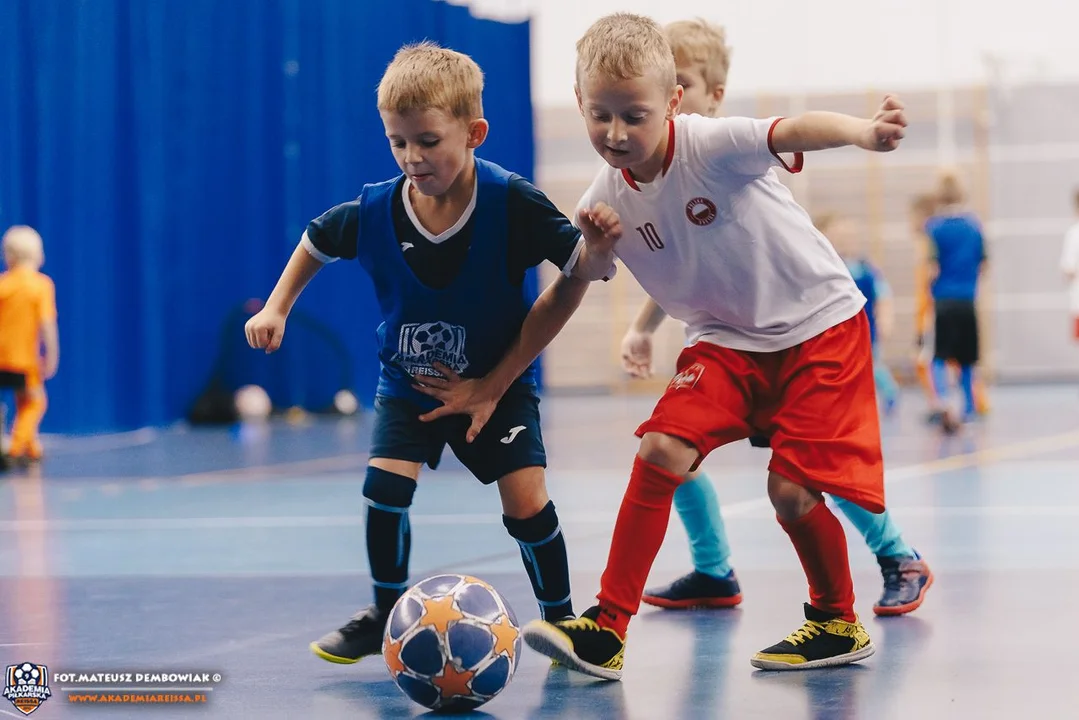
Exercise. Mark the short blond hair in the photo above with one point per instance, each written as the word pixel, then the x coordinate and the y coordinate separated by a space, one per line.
pixel 22 244
pixel 425 76
pixel 699 42
pixel 950 188
pixel 623 46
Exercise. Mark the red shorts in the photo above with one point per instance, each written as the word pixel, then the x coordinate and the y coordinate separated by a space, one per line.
pixel 1077 327
pixel 816 401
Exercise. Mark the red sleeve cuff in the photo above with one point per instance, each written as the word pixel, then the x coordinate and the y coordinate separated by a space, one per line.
pixel 799 160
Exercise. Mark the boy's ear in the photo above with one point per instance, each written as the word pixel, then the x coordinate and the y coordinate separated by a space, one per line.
pixel 675 102
pixel 477 132
pixel 580 101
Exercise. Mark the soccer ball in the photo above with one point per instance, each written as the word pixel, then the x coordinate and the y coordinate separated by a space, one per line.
pixel 452 642
pixel 27 674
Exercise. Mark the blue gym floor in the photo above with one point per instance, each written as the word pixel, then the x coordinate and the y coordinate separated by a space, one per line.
pixel 230 550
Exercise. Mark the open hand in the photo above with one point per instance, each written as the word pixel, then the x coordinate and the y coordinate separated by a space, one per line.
pixel 637 353
pixel 459 396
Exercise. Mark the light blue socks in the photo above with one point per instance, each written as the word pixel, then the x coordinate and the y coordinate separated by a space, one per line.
pixel 698 507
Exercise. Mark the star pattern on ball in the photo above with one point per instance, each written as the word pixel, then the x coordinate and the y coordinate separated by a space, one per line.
pixel 477 581
pixel 453 683
pixel 505 636
pixel 439 613
pixel 392 653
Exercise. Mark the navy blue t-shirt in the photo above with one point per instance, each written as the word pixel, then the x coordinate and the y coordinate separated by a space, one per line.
pixel 458 298
pixel 538 231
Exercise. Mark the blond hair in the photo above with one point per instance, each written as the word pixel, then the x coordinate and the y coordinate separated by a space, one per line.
pixel 22 244
pixel 699 42
pixel 950 188
pixel 425 76
pixel 623 46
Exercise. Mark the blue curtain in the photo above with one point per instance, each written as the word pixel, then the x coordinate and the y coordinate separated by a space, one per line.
pixel 171 152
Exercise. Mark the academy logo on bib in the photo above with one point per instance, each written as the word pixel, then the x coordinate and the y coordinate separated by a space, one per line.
pixel 420 345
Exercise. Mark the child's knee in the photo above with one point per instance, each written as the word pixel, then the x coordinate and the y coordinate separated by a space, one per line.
pixel 524 493
pixel 790 500
pixel 668 452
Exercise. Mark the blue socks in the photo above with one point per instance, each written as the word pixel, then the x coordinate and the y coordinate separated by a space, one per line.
pixel 966 381
pixel 881 534
pixel 389 535
pixel 543 550
pixel 887 387
pixel 940 380
pixel 698 507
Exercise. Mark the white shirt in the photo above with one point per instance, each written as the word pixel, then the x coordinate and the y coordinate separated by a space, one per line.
pixel 1069 262
pixel 719 243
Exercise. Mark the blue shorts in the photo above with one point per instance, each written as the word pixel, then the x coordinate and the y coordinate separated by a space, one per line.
pixel 511 439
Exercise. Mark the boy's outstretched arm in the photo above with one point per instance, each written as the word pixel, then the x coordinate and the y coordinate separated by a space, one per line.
pixel 549 314
pixel 267 328
pixel 824 130
pixel 478 397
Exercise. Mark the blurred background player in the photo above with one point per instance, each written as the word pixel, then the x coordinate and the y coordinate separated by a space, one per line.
pixel 924 207
pixel 27 326
pixel 702 60
pixel 1069 264
pixel 957 258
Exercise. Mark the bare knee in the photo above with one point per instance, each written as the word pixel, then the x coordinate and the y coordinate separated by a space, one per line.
pixel 406 468
pixel 790 500
pixel 523 492
pixel 673 454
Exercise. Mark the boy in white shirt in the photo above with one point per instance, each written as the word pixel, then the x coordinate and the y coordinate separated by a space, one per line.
pixel 779 341
pixel 702 61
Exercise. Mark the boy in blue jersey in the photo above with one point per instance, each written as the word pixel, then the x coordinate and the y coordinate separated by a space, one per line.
pixel 957 259
pixel 702 60
pixel 447 244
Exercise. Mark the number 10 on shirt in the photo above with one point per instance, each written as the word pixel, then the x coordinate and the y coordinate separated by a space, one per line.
pixel 651 237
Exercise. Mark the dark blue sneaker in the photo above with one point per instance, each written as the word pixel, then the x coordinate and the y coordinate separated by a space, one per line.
pixel 696 590
pixel 906 580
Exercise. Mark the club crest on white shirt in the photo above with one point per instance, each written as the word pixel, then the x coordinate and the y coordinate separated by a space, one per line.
pixel 701 211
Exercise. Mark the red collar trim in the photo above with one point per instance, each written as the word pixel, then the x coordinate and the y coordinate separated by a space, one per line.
pixel 667 159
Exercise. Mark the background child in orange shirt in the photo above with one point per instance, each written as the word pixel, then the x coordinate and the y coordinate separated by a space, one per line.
pixel 27 322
